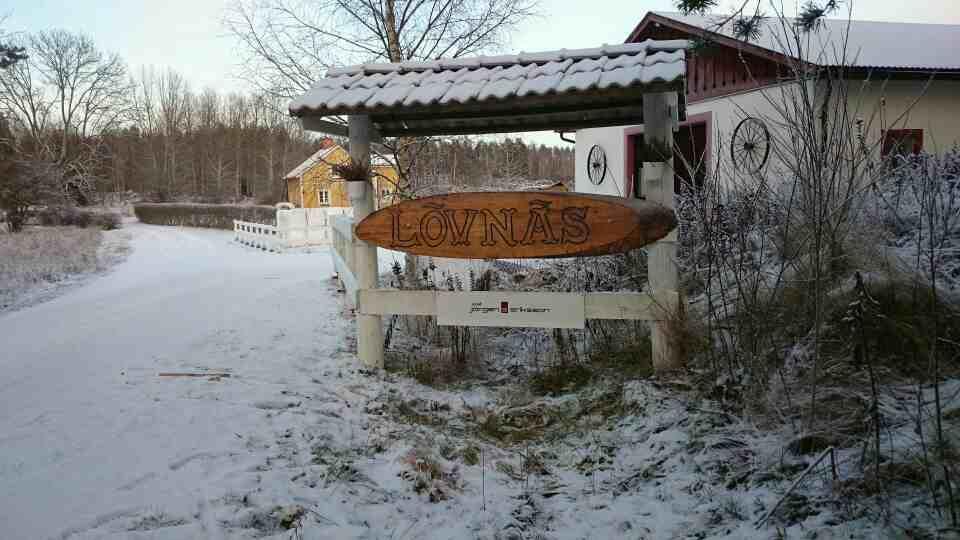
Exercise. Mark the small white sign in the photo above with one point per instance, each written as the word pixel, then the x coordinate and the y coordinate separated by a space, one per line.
pixel 513 309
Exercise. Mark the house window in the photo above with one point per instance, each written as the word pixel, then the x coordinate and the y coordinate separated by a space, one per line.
pixel 901 142
pixel 384 193
pixel 324 197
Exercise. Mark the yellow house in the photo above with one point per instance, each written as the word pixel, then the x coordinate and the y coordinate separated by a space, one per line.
pixel 313 184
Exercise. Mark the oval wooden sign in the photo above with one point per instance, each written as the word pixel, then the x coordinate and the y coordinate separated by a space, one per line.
pixel 517 225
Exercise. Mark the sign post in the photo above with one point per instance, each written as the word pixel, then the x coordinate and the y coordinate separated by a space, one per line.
pixel 660 121
pixel 369 327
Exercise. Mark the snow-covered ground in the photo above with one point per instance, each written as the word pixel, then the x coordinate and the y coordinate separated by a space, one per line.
pixel 94 444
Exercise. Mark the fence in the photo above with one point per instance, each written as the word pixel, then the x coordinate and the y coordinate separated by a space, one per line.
pixel 256 235
pixel 308 226
pixel 344 257
pixel 295 227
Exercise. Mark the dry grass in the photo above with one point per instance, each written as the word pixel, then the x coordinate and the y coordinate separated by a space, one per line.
pixel 43 256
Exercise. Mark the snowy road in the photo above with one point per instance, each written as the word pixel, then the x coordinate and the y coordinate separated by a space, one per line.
pixel 93 442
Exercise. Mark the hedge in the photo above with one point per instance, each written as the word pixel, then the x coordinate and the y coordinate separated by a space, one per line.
pixel 212 216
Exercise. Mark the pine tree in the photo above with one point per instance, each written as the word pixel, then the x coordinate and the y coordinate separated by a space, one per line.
pixel 10 55
pixel 746 20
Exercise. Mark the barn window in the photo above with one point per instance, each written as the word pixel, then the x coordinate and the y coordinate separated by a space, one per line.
pixel 324 197
pixel 901 142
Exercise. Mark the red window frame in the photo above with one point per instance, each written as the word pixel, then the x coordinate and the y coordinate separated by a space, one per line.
pixel 891 136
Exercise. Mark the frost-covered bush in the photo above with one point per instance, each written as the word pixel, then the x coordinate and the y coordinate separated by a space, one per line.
pixel 213 216
pixel 918 207
pixel 69 216
pixel 40 256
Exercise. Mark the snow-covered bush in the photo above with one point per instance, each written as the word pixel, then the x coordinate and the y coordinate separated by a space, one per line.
pixel 77 217
pixel 918 207
pixel 213 216
pixel 42 256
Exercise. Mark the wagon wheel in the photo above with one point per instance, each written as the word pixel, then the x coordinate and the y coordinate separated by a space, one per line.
pixel 596 165
pixel 750 145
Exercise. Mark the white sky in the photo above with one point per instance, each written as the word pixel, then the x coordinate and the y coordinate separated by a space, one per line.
pixel 188 36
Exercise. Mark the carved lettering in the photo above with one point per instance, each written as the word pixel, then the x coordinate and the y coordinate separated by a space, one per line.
pixel 516 225
pixel 539 223
pixel 503 228
pixel 397 240
pixel 461 232
pixel 575 227
pixel 433 228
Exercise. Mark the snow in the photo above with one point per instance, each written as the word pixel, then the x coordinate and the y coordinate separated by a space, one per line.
pixel 94 444
pixel 461 80
pixel 867 43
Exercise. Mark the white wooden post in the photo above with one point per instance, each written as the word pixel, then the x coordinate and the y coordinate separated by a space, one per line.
pixel 659 124
pixel 369 327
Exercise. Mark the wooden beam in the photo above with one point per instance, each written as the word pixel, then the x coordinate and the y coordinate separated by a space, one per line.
pixel 508 124
pixel 626 306
pixel 319 125
pixel 659 126
pixel 369 327
pixel 396 302
pixel 346 276
pixel 631 306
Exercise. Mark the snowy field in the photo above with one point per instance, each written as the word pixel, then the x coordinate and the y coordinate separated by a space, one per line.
pixel 296 443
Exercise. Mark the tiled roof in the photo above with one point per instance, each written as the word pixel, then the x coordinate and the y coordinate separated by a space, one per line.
pixel 317 157
pixel 382 87
pixel 328 147
pixel 874 44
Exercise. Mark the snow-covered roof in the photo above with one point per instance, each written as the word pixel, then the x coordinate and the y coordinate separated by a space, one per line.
pixel 869 43
pixel 390 88
pixel 376 160
pixel 317 157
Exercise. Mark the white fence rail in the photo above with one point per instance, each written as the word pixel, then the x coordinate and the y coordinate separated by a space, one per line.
pixel 626 305
pixel 257 235
pixel 343 240
pixel 308 226
pixel 295 227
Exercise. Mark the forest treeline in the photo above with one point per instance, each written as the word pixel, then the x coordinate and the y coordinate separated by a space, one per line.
pixel 72 109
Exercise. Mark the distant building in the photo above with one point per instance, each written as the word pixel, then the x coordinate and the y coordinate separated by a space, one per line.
pixel 888 68
pixel 313 184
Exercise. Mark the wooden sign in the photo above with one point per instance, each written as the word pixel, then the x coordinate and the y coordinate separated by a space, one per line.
pixel 517 225
pixel 511 309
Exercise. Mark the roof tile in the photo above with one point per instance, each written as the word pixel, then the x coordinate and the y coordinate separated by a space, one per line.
pixel 460 80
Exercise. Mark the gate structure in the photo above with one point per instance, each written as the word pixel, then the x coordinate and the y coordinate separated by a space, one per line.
pixel 628 84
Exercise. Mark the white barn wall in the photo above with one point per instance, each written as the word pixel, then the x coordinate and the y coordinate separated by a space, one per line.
pixel 934 109
pixel 613 142
pixel 724 113
pixel 935 112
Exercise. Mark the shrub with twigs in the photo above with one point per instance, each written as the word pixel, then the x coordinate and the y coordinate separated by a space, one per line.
pixel 213 216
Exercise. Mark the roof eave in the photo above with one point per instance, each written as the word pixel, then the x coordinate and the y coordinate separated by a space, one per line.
pixel 502 116
pixel 728 41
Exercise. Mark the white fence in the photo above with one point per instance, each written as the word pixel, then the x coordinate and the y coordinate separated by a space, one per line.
pixel 257 235
pixel 295 228
pixel 309 226
pixel 343 254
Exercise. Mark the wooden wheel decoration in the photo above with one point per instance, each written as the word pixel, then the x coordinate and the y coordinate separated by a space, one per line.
pixel 596 165
pixel 750 146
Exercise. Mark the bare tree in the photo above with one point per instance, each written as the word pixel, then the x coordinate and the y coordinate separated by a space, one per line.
pixel 89 87
pixel 288 43
pixel 23 99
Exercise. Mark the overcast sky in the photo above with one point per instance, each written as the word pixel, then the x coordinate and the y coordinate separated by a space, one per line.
pixel 188 36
